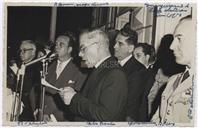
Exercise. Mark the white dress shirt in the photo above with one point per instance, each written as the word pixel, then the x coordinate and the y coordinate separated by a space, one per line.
pixel 60 67
pixel 122 62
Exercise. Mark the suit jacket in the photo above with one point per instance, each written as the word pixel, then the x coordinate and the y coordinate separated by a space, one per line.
pixel 148 83
pixel 104 96
pixel 176 105
pixel 131 66
pixel 31 81
pixel 135 73
pixel 53 103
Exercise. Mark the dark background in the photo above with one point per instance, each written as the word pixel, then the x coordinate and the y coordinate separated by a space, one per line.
pixel 34 23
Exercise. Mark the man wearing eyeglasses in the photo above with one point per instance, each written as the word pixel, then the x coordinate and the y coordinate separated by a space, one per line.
pixel 27 53
pixel 104 95
pixel 62 73
pixel 134 70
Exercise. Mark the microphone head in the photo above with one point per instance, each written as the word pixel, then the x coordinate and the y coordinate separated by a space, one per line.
pixel 53 56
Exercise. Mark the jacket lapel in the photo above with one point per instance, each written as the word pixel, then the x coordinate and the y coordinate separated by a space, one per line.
pixel 186 84
pixel 52 71
pixel 96 75
pixel 65 75
pixel 132 65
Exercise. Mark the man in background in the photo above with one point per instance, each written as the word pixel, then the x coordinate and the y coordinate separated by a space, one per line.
pixel 145 54
pixel 124 47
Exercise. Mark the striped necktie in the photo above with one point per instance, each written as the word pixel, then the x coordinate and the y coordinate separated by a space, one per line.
pixel 59 69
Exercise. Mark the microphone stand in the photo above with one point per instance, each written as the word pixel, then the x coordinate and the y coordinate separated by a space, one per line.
pixel 43 75
pixel 20 93
pixel 15 117
pixel 17 108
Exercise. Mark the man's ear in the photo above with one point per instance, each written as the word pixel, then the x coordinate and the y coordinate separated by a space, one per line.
pixel 130 48
pixel 34 53
pixel 147 58
pixel 69 49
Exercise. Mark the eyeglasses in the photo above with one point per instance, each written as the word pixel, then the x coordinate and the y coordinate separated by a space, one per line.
pixel 83 49
pixel 25 50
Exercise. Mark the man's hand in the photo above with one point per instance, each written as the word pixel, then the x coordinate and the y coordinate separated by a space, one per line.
pixel 49 118
pixel 44 82
pixel 46 118
pixel 67 94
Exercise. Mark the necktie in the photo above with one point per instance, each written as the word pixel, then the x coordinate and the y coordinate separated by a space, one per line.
pixel 59 69
pixel 176 83
pixel 182 77
pixel 185 76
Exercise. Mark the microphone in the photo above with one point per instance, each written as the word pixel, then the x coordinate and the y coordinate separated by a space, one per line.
pixel 51 56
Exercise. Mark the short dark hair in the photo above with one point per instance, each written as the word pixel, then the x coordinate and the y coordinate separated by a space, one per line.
pixel 131 34
pixel 147 50
pixel 71 36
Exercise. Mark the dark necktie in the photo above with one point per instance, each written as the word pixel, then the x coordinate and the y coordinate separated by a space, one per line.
pixel 182 78
pixel 185 76
pixel 176 83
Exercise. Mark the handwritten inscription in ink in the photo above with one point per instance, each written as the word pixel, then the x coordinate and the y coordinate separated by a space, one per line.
pixel 169 10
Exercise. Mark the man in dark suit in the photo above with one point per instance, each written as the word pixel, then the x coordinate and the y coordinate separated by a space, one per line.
pixel 145 54
pixel 27 53
pixel 61 73
pixel 134 70
pixel 104 95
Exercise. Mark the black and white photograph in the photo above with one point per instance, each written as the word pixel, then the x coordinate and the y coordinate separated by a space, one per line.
pixel 99 64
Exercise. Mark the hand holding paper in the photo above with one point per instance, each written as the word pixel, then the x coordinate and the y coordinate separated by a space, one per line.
pixel 45 83
pixel 67 94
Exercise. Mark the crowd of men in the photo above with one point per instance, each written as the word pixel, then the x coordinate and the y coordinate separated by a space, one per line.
pixel 130 85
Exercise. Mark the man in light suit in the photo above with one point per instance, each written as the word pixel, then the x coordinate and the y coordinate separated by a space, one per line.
pixel 61 73
pixel 177 98
pixel 104 95
pixel 134 70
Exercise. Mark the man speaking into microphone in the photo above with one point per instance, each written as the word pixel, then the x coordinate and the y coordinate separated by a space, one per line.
pixel 61 73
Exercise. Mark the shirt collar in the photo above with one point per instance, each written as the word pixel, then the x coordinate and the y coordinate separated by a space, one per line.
pixel 191 72
pixel 100 62
pixel 64 63
pixel 122 62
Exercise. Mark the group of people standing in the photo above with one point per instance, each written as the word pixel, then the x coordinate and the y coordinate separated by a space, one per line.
pixel 130 85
